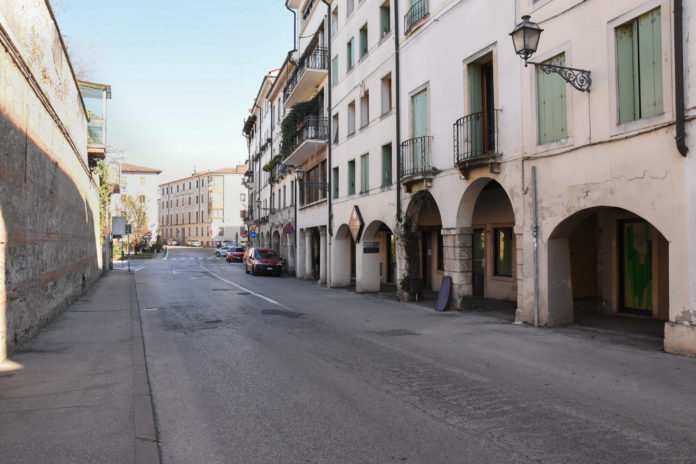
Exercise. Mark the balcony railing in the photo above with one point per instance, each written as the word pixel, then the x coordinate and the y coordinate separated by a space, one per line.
pixel 311 192
pixel 417 13
pixel 311 128
pixel 316 58
pixel 415 156
pixel 476 136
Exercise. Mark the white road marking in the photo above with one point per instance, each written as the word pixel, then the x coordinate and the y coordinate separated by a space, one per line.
pixel 166 254
pixel 150 309
pixel 270 300
pixel 173 272
pixel 136 269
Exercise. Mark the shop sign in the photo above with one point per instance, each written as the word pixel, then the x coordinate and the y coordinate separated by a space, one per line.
pixel 370 247
pixel 356 224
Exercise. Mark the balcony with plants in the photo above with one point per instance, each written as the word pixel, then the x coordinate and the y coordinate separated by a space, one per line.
pixel 304 132
pixel 311 69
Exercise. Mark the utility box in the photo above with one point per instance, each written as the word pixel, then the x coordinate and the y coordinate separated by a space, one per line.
pixel 118 226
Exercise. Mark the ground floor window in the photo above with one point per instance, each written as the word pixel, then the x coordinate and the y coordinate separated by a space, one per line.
pixel 502 237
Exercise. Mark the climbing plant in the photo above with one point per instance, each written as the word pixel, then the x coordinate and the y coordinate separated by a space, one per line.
pixel 104 195
pixel 293 119
pixel 407 233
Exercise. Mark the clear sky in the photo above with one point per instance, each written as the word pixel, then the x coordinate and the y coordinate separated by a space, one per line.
pixel 183 73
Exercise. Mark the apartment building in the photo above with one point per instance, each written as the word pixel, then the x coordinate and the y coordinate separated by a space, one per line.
pixel 141 184
pixel 207 206
pixel 563 194
pixel 364 188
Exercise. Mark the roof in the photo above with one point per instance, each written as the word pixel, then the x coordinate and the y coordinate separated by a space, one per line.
pixel 125 167
pixel 240 169
pixel 96 85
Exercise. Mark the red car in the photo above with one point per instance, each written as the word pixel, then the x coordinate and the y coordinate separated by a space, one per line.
pixel 262 261
pixel 235 254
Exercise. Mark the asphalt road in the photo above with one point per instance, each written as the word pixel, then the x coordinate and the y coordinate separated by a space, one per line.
pixel 247 369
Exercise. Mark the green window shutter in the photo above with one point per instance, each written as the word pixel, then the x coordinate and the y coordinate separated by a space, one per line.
pixel 386 165
pixel 364 173
pixel 351 177
pixel 626 74
pixel 551 104
pixel 650 63
pixel 335 182
pixel 419 108
pixel 475 108
pixel 384 21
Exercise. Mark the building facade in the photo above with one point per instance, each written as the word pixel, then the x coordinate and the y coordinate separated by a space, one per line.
pixel 142 185
pixel 207 206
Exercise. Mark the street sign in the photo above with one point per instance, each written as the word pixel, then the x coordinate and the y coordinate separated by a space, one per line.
pixel 148 234
pixel 289 229
pixel 370 247
pixel 244 234
pixel 118 226
pixel 129 229
pixel 253 234
pixel 252 226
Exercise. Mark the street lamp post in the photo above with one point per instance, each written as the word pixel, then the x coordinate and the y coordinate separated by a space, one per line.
pixel 525 38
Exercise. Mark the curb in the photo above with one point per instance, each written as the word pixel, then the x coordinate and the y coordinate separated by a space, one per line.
pixel 146 440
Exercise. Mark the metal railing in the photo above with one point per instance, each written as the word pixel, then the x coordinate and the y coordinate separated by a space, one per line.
pixel 415 156
pixel 314 58
pixel 311 128
pixel 476 135
pixel 311 192
pixel 417 13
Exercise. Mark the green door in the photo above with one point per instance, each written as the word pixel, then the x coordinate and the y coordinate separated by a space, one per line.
pixel 636 268
pixel 419 105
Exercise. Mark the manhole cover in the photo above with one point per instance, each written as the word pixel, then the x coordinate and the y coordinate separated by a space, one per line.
pixel 394 333
pixel 281 312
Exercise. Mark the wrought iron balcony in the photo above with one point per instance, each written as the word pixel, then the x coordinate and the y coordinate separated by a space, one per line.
pixel 311 68
pixel 476 140
pixel 415 15
pixel 415 156
pixel 310 135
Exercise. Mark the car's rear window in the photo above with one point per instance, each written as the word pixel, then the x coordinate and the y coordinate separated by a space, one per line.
pixel 263 254
pixel 237 250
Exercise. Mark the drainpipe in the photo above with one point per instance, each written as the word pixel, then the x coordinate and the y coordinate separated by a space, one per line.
pixel 535 238
pixel 679 78
pixel 397 84
pixel 294 26
pixel 328 163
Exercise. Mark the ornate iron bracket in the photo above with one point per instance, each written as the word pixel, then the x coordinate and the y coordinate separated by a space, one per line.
pixel 578 78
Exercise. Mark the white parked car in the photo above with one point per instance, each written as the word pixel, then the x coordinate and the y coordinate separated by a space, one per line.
pixel 222 251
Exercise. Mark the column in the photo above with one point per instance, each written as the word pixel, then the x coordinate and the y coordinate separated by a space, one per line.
pixel 457 247
pixel 309 258
pixel 322 255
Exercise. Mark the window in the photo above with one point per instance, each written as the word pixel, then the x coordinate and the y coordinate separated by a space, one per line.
pixel 502 237
pixel 387 165
pixel 365 109
pixel 334 21
pixel 242 197
pixel 196 216
pixel 365 173
pixel 189 217
pixel 551 104
pixel 284 196
pixel 384 19
pixel 189 185
pixel 363 41
pixel 351 118
pixel 386 94
pixel 334 183
pixel 350 6
pixel 351 177
pixel 350 54
pixel 292 192
pixel 334 124
pixel 189 200
pixel 312 189
pixel 142 181
pixel 334 70
pixel 141 198
pixel 639 67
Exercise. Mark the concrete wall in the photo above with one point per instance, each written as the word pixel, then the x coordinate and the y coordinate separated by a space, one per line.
pixel 50 249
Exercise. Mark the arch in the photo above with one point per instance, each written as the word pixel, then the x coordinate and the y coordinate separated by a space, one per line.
pixel 606 260
pixel 423 249
pixel 471 196
pixel 342 254
pixel 376 263
pixel 275 241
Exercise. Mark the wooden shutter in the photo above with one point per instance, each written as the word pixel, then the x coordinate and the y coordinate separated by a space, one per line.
pixel 650 63
pixel 475 109
pixel 420 129
pixel 627 75
pixel 551 104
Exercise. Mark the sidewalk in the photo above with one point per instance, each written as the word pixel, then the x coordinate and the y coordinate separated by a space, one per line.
pixel 78 392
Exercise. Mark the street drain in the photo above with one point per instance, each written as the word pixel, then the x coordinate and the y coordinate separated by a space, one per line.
pixel 281 312
pixel 394 333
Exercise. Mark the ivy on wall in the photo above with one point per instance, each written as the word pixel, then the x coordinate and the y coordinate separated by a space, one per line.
pixel 293 119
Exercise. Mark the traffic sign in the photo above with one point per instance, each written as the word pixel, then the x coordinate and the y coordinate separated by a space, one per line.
pixel 148 234
pixel 253 234
pixel 289 229
pixel 244 234
pixel 252 226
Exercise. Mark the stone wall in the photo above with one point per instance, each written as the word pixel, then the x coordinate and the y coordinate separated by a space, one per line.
pixel 50 249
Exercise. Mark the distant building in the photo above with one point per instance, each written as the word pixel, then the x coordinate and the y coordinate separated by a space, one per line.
pixel 207 206
pixel 140 183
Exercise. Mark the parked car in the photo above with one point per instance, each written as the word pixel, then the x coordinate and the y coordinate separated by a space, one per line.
pixel 196 243
pixel 235 254
pixel 262 261
pixel 222 251
pixel 173 242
